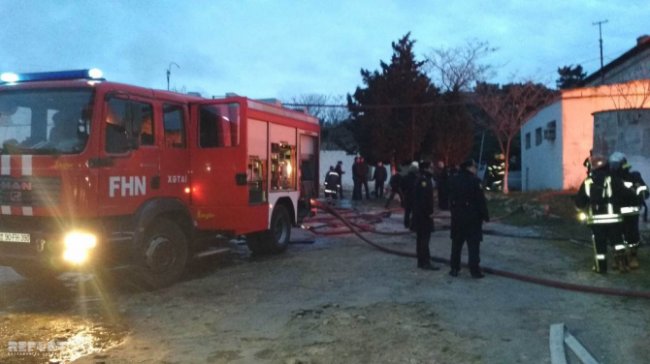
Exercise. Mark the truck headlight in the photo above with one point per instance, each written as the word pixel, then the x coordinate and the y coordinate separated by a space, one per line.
pixel 582 216
pixel 77 246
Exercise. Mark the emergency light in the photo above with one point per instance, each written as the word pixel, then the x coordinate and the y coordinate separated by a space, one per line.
pixel 90 74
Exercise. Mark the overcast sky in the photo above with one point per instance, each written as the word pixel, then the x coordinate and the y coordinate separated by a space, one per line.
pixel 283 48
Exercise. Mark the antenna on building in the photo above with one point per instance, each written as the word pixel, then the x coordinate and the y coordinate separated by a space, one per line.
pixel 600 41
pixel 169 71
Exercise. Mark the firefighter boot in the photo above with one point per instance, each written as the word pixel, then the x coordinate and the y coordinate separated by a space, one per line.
pixel 632 259
pixel 621 262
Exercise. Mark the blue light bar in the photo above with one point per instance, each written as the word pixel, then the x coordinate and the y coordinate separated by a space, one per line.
pixel 91 74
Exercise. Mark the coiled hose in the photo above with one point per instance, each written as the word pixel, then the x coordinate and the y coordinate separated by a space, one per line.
pixel 521 277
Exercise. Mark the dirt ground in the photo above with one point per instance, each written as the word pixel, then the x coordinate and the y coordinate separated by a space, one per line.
pixel 335 299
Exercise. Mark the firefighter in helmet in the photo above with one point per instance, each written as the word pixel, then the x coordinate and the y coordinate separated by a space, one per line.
pixel 332 184
pixel 631 209
pixel 496 172
pixel 599 199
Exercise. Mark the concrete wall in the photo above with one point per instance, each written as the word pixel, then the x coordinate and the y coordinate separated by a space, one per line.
pixel 626 131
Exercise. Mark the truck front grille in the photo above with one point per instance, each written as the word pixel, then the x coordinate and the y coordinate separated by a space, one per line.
pixel 30 191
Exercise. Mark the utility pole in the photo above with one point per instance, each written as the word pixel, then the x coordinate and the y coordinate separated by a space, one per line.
pixel 169 72
pixel 600 41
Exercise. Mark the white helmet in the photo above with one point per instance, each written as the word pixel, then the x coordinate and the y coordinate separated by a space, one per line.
pixel 617 160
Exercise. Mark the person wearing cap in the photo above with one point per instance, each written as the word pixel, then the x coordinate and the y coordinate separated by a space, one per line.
pixel 469 210
pixel 631 206
pixel 599 198
pixel 422 220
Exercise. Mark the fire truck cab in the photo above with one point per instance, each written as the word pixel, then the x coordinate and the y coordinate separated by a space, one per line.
pixel 102 174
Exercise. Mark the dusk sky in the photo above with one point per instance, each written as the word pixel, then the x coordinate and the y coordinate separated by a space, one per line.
pixel 282 48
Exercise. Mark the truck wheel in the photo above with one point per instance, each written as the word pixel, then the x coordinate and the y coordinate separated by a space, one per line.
pixel 163 256
pixel 275 240
pixel 36 272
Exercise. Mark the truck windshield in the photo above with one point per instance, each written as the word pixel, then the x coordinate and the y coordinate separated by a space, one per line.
pixel 45 121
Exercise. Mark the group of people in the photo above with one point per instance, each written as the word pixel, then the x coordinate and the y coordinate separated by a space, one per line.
pixel 460 192
pixel 610 199
pixel 468 208
pixel 360 177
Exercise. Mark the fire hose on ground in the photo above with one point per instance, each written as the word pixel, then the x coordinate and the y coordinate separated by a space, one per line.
pixel 356 229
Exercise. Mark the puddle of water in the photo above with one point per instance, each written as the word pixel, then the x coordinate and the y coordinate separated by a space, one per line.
pixel 66 320
pixel 37 338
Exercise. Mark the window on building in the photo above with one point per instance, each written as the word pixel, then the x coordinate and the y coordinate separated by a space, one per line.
pixel 538 136
pixel 549 132
pixel 527 140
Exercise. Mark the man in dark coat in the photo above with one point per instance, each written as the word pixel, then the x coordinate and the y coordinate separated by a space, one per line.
pixel 441 178
pixel 407 184
pixel 380 176
pixel 339 170
pixel 468 211
pixel 363 171
pixel 395 189
pixel 356 180
pixel 422 220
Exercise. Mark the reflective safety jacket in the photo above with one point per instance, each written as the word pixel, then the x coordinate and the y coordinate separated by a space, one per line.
pixel 332 182
pixel 637 191
pixel 600 197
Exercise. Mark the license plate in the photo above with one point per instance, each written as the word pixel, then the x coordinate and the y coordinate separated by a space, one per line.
pixel 14 237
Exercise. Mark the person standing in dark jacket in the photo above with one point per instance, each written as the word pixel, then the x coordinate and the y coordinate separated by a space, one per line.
pixel 408 182
pixel 468 211
pixel 339 170
pixel 422 221
pixel 363 171
pixel 395 188
pixel 356 181
pixel 380 176
pixel 441 178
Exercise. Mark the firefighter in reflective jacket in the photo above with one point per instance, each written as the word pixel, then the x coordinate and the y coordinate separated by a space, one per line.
pixel 599 199
pixel 332 184
pixel 631 209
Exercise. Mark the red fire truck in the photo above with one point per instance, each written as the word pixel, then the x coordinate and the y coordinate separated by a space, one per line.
pixel 103 174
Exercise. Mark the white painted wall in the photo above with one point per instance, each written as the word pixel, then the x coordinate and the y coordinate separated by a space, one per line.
pixel 331 157
pixel 541 166
pixel 559 165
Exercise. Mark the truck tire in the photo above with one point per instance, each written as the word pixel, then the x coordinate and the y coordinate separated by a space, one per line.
pixel 163 256
pixel 36 272
pixel 276 239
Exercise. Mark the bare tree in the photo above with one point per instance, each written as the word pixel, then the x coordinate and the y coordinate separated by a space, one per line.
pixel 459 69
pixel 630 95
pixel 507 108
pixel 328 109
pixel 456 70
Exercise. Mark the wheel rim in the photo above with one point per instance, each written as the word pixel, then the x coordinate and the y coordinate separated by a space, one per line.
pixel 160 255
